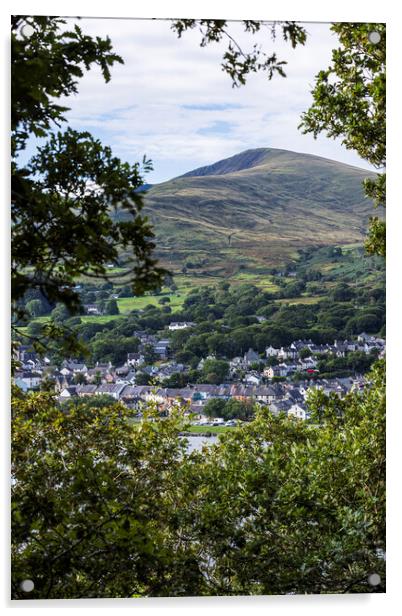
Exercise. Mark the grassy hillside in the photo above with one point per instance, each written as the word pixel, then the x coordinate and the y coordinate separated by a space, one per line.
pixel 256 210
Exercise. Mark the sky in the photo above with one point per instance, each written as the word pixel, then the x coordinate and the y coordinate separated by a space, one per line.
pixel 172 101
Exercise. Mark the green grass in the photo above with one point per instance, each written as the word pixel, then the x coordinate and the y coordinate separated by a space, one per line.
pixel 104 318
pixel 127 304
pixel 314 299
pixel 136 424
pixel 212 429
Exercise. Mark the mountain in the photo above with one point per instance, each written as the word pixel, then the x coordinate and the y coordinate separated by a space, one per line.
pixel 256 209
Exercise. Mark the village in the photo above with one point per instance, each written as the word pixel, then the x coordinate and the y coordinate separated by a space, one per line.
pixel 267 381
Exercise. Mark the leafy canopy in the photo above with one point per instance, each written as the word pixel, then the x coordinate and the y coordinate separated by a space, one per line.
pixel 349 103
pixel 237 62
pixel 103 507
pixel 63 200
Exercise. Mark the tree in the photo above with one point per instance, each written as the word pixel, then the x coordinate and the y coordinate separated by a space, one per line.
pixel 349 103
pixel 35 329
pixel 141 378
pixel 236 62
pixel 278 506
pixel 111 346
pixel 90 516
pixel 99 402
pixel 126 291
pixel 215 407
pixel 60 313
pixel 303 353
pixel 342 293
pixel 62 199
pixel 177 379
pixel 112 307
pixel 79 378
pixel 239 409
pixel 34 307
pixel 366 322
pixel 215 371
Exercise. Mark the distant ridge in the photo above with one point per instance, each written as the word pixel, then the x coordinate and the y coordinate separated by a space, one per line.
pixel 238 162
pixel 249 159
pixel 143 188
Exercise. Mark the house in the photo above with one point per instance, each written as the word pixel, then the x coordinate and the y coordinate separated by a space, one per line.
pixel 150 370
pixel 340 348
pixel 68 393
pixel 32 365
pixel 121 371
pixel 271 351
pixel 287 353
pixel 110 389
pixel 183 393
pixel 241 392
pixel 92 309
pixel 252 379
pixel 130 397
pixel 281 370
pixel 74 367
pixel 251 357
pixel 299 411
pixel 173 326
pixel 280 406
pixel 26 380
pixel 23 354
pixel 298 345
pixel 265 395
pixel 294 395
pixel 272 371
pixel 135 359
pixel 222 391
pixel 161 348
pixel 101 372
pixel 205 391
pixel 86 390
pixel 166 370
pixel 308 363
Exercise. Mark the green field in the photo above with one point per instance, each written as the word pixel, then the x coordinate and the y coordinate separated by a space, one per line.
pixel 301 300
pixel 127 304
pixel 211 429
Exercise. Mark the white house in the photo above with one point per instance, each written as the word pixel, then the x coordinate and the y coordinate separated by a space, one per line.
pixel 308 363
pixel 68 392
pixel 299 411
pixel 270 351
pixel 135 359
pixel 252 379
pixel 183 325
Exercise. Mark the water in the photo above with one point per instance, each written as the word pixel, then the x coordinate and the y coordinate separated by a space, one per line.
pixel 196 443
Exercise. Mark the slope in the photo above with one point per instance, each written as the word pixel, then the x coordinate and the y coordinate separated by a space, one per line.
pixel 255 210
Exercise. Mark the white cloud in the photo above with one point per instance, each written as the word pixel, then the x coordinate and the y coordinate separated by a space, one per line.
pixel 154 102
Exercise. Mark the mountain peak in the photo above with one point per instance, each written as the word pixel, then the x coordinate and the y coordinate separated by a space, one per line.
pixel 238 162
pixel 256 209
pixel 263 157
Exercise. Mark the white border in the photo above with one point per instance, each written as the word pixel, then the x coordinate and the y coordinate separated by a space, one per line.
pixel 308 10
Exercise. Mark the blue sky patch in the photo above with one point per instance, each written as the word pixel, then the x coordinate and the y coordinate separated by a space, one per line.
pixel 220 127
pixel 213 106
